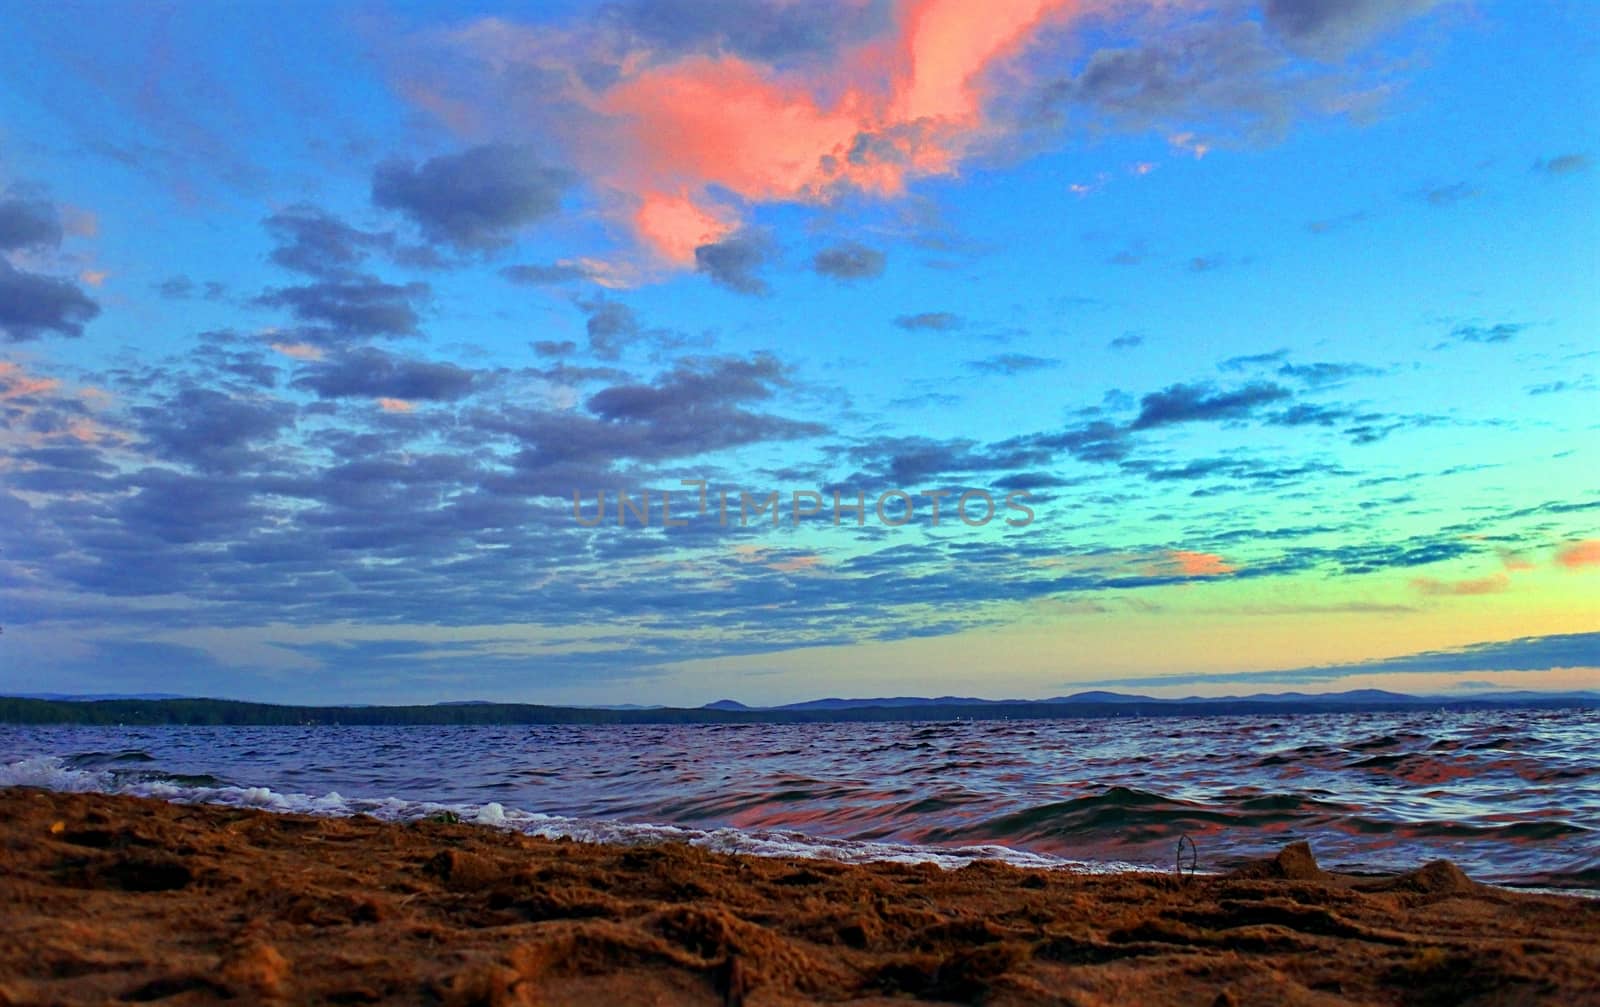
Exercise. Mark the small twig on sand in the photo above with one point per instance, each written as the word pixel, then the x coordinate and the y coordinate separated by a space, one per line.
pixel 1194 858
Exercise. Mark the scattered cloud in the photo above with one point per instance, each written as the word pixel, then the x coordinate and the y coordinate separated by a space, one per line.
pixel 930 321
pixel 1564 164
pixel 849 260
pixel 353 308
pixel 1494 584
pixel 1447 195
pixel 475 200
pixel 1503 332
pixel 368 372
pixel 1327 29
pixel 27 221
pixel 1327 225
pixel 736 261
pixel 32 306
pixel 1012 363
pixel 612 327
pixel 1580 555
pixel 1203 402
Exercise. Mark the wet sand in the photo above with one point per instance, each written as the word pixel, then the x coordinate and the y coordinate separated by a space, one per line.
pixel 120 899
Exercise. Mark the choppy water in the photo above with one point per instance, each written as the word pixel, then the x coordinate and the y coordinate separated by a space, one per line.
pixel 1512 796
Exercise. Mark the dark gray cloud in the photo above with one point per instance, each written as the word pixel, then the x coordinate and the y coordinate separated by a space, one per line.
pixel 1447 195
pixel 1232 76
pixel 849 260
pixel 1099 441
pixel 569 374
pixel 1564 164
pixel 1253 361
pixel 355 307
pixel 182 288
pixel 32 306
pixel 1584 384
pixel 209 429
pixel 545 276
pixel 758 29
pixel 312 241
pixel 1503 332
pixel 553 347
pixel 1529 653
pixel 930 321
pixel 1327 373
pixel 234 363
pixel 1327 225
pixel 736 261
pixel 693 387
pixel 1126 341
pixel 1331 28
pixel 1203 402
pixel 474 200
pixel 1227 76
pixel 612 327
pixel 1012 363
pixel 1317 374
pixel 27 221
pixel 369 372
pixel 697 406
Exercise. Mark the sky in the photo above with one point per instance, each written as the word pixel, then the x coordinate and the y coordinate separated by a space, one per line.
pixel 332 337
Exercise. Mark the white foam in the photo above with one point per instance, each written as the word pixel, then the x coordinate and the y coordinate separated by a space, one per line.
pixel 48 772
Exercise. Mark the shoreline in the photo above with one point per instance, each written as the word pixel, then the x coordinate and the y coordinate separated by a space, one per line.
pixel 47 773
pixel 116 897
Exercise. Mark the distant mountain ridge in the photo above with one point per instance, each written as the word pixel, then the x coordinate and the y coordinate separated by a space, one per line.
pixel 193 711
pixel 1352 696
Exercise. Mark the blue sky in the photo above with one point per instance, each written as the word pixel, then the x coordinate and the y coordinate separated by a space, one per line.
pixel 316 318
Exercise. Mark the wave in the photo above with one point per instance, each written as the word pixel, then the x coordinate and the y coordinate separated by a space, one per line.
pixel 54 773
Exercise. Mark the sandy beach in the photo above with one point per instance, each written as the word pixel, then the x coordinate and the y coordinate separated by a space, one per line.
pixel 127 899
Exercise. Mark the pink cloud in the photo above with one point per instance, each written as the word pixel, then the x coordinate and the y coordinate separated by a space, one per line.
pixel 26 393
pixel 1200 564
pixel 1483 585
pixel 299 351
pixel 15 383
pixel 674 141
pixel 1513 562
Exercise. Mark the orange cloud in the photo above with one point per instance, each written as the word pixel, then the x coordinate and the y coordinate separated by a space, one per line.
pixel 93 277
pixel 674 226
pixel 1483 585
pixel 1579 555
pixel 908 107
pixel 389 405
pixel 1200 564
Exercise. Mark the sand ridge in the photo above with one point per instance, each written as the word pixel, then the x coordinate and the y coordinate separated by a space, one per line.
pixel 123 899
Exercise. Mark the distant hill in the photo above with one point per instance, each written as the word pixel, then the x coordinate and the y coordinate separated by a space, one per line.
pixel 68 697
pixel 84 710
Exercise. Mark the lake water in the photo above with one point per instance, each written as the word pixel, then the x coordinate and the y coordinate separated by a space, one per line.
pixel 1512 796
